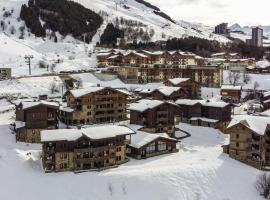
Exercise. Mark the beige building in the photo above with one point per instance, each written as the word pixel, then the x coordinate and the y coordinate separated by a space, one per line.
pixel 93 148
pixel 250 140
pixel 94 105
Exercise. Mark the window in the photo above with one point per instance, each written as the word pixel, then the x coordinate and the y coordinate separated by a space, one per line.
pixel 63 155
pixel 50 115
pixel 119 149
pixel 237 144
pixel 237 136
pixel 63 165
pixel 151 148
pixel 162 146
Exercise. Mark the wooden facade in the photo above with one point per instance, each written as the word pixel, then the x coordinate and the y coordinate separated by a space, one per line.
pixel 163 95
pixel 157 119
pixel 102 105
pixel 208 76
pixel 39 116
pixel 155 147
pixel 231 94
pixel 192 88
pixel 84 153
pixel 203 113
pixel 248 146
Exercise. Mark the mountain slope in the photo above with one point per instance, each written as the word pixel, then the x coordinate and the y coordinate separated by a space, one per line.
pixel 245 32
pixel 132 10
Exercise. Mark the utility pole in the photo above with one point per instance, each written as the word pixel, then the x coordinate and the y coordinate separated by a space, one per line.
pixel 28 61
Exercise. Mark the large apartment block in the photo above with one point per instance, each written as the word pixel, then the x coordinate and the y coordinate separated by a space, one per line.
pixel 257 37
pixel 250 140
pixel 94 105
pixel 93 148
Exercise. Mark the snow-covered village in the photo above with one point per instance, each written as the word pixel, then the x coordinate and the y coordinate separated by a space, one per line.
pixel 134 100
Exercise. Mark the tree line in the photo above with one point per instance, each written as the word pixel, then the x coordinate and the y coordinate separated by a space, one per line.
pixel 65 17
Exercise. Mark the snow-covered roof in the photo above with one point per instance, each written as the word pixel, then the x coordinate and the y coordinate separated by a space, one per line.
pixel 145 104
pixel 217 104
pixel 211 103
pixel 108 131
pixel 60 135
pixel 136 53
pixel 167 91
pixel 31 104
pixel 19 124
pixel 104 54
pixel 204 119
pixel 188 102
pixel 94 133
pixel 66 109
pixel 255 123
pixel 84 91
pixel 113 57
pixel 141 139
pixel 177 81
pixel 218 54
pixel 265 113
pixel 263 64
pixel 231 87
pixel 266 94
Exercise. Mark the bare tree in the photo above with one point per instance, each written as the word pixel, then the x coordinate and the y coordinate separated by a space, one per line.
pixel 263 185
pixel 234 77
pixel 53 87
pixel 246 78
pixel 256 86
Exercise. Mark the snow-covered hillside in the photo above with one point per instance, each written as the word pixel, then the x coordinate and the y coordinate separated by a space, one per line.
pixel 244 33
pixel 145 15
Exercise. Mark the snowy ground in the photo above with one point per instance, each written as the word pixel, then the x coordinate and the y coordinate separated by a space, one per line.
pixel 199 171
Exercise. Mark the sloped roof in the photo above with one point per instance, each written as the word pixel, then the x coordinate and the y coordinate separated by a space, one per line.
pixel 231 87
pixel 84 91
pixel 167 91
pixel 31 104
pixel 141 139
pixel 177 81
pixel 255 123
pixel 211 103
pixel 94 133
pixel 145 104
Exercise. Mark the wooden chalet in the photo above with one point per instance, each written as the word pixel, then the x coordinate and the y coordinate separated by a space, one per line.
pixel 32 117
pixel 250 140
pixel 204 113
pixel 192 88
pixel 144 145
pixel 154 115
pixel 231 93
pixel 164 93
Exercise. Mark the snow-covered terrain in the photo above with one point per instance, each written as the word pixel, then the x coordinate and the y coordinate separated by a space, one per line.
pixel 244 33
pixel 145 15
pixel 198 171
